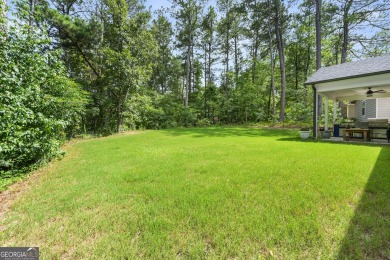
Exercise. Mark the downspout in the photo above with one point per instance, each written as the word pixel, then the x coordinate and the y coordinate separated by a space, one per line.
pixel 315 112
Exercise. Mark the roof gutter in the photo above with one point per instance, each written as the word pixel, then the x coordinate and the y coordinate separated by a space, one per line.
pixel 344 78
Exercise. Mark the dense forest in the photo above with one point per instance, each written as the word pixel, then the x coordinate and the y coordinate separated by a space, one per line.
pixel 72 67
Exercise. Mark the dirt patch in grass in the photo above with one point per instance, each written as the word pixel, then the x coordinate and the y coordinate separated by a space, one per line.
pixel 130 133
pixel 8 196
pixel 15 190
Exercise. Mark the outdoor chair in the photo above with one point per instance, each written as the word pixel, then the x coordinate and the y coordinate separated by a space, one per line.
pixel 388 134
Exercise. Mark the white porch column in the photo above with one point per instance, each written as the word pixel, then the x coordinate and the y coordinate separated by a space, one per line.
pixel 315 112
pixel 334 111
pixel 326 113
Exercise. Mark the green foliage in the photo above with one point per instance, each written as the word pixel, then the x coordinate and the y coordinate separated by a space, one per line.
pixel 162 72
pixel 305 127
pixel 204 122
pixel 143 113
pixel 217 61
pixel 156 111
pixel 128 64
pixel 39 104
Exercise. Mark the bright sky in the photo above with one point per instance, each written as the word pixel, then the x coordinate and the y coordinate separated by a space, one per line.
pixel 156 4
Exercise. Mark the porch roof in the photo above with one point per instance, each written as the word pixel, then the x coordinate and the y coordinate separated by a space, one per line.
pixel 367 67
pixel 350 81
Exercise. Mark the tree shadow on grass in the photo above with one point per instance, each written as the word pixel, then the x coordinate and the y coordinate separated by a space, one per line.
pixel 229 132
pixel 368 235
pixel 298 139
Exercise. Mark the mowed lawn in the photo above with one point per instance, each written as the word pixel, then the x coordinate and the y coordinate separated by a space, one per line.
pixel 207 193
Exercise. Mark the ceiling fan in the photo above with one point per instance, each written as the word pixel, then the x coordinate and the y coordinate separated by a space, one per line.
pixel 370 92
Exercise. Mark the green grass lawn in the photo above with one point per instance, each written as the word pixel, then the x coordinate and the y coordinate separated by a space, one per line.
pixel 208 193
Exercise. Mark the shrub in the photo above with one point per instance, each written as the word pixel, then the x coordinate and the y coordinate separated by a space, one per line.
pixel 203 122
pixel 38 103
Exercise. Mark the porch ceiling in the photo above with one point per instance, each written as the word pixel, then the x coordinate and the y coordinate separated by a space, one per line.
pixel 355 93
pixel 356 88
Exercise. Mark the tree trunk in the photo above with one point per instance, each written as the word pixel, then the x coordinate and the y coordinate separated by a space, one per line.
pixel 269 103
pixel 273 85
pixel 308 61
pixel 344 49
pixel 205 79
pixel 210 62
pixel 270 45
pixel 187 82
pixel 318 46
pixel 255 51
pixel 345 42
pixel 296 65
pixel 337 48
pixel 183 88
pixel 280 45
pixel 236 58
pixel 164 83
pixel 318 34
pixel 191 82
pixel 32 11
pixel 227 61
pixel 119 118
pixel 205 65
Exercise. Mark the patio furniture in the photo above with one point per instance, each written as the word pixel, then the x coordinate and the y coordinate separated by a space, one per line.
pixel 378 127
pixel 357 134
pixel 336 130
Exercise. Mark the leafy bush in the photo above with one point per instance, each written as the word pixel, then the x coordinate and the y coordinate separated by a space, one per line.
pixel 142 113
pixel 187 117
pixel 156 111
pixel 38 103
pixel 203 122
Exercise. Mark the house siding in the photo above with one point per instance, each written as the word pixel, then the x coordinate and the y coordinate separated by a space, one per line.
pixel 351 111
pixel 383 108
pixel 370 110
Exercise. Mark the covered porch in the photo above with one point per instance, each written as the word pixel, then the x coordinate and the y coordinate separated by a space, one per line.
pixel 364 88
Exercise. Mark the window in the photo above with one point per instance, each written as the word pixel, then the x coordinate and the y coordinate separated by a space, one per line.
pixel 363 108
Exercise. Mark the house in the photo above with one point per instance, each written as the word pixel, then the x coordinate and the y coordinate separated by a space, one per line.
pixel 362 110
pixel 364 85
